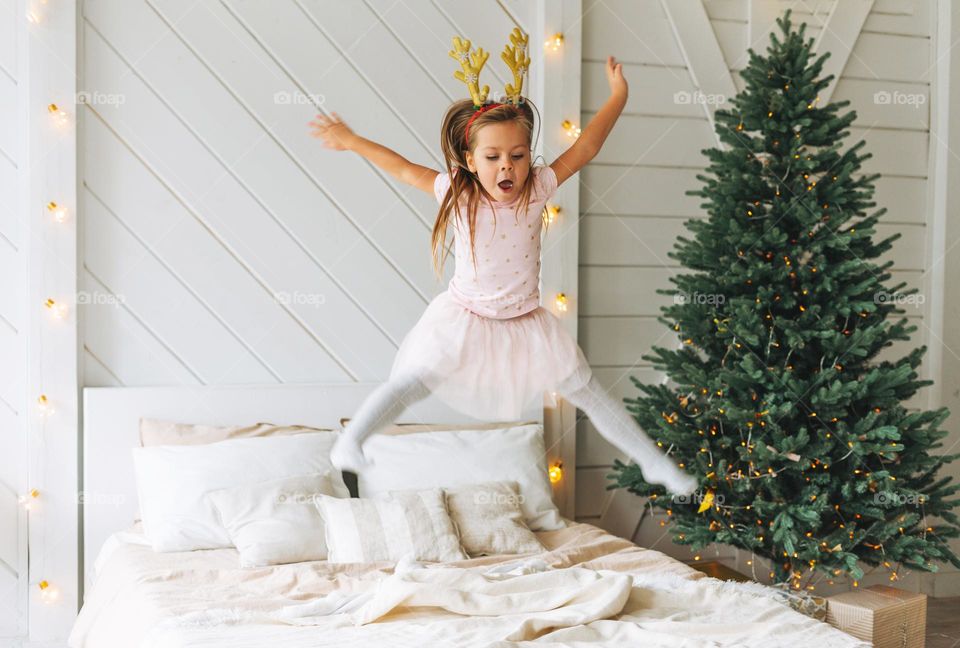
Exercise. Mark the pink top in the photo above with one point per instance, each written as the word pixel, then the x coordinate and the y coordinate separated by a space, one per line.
pixel 507 279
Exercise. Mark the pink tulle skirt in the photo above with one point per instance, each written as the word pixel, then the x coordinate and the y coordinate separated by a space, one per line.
pixel 490 369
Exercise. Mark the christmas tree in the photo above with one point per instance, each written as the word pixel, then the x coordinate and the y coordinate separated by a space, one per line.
pixel 805 454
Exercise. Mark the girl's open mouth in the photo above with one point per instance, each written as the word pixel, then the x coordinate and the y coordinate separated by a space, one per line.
pixel 505 185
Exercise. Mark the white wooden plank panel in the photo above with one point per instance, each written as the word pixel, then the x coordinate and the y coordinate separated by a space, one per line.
pixel 592 495
pixel 9 226
pixel 404 88
pixel 839 36
pixel 210 203
pixel 886 104
pixel 890 57
pixel 637 190
pixel 732 39
pixel 133 353
pixel 11 268
pixel 10 588
pixel 9 20
pixel 315 65
pixel 186 245
pixel 915 23
pixel 653 90
pixel 147 288
pixel 9 128
pixel 726 9
pixel 9 534
pixel 97 374
pixel 635 32
pixel 276 176
pixel 621 341
pixel 663 141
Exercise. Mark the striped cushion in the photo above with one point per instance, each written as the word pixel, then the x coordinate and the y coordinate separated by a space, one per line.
pixel 388 527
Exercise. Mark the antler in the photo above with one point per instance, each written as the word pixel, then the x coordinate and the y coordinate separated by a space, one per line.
pixel 472 63
pixel 517 60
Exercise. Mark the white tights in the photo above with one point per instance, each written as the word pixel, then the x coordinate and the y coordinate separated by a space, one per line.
pixel 611 419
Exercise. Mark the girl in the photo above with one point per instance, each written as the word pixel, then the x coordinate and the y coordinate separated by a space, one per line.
pixel 485 346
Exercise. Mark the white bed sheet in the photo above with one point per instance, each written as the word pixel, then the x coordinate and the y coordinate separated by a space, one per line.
pixel 203 599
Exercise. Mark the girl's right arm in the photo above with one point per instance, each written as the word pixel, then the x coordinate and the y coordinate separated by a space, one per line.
pixel 338 136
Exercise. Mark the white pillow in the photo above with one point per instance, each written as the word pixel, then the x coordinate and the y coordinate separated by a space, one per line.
pixel 275 522
pixel 171 481
pixel 489 520
pixel 450 458
pixel 389 527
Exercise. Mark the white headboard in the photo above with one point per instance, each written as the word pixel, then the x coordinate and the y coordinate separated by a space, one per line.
pixel 111 429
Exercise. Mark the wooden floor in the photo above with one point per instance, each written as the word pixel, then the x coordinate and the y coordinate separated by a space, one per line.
pixel 943 622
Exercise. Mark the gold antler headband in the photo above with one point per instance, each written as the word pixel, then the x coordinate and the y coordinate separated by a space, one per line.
pixel 514 55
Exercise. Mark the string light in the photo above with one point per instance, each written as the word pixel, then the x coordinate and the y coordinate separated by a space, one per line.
pixel 27 501
pixel 561 302
pixel 571 129
pixel 556 472
pixel 44 408
pixel 59 116
pixel 59 310
pixel 552 212
pixel 554 43
pixel 48 593
pixel 59 213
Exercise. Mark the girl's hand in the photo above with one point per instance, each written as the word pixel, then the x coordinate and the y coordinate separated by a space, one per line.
pixel 334 133
pixel 618 85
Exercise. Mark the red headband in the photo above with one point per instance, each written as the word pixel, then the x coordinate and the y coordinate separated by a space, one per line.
pixel 466 132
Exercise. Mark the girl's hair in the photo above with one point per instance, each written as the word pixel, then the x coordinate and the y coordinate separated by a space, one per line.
pixel 463 183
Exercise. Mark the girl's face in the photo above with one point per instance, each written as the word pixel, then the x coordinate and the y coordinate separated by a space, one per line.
pixel 501 159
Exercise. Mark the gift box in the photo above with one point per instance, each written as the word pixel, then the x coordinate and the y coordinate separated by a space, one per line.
pixel 886 616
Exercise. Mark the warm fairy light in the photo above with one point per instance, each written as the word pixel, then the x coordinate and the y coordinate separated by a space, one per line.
pixel 59 213
pixel 48 593
pixel 561 302
pixel 552 212
pixel 572 130
pixel 59 310
pixel 59 116
pixel 43 405
pixel 27 501
pixel 556 472
pixel 554 43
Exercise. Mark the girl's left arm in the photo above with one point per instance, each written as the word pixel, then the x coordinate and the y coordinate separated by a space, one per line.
pixel 595 134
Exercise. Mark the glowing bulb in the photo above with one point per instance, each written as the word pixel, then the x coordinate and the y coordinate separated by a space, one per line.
pixel 552 212
pixel 59 310
pixel 27 501
pixel 48 592
pixel 561 302
pixel 43 405
pixel 572 130
pixel 59 213
pixel 556 472
pixel 59 116
pixel 554 43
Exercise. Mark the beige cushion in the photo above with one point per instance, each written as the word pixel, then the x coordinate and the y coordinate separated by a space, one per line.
pixel 275 522
pixel 408 428
pixel 489 520
pixel 387 528
pixel 154 432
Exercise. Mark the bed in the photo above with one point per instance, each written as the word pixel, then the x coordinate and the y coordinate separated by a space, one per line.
pixel 587 588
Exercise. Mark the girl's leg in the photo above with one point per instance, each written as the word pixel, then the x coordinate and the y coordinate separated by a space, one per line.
pixel 617 426
pixel 381 408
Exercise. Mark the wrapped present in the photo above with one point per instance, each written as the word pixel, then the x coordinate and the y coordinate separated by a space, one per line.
pixel 886 616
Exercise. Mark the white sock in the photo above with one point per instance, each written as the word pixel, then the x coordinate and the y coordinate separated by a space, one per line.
pixel 381 408
pixel 616 425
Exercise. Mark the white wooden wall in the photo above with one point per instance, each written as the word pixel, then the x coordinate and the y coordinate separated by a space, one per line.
pixel 13 328
pixel 632 198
